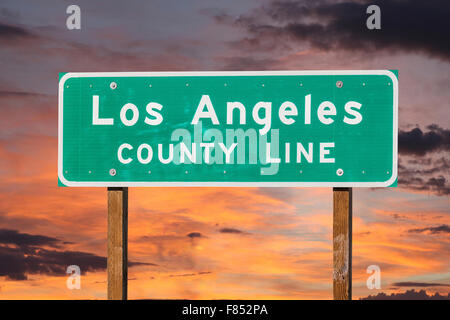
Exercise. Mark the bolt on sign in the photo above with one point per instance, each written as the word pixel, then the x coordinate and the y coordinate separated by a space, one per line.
pixel 274 128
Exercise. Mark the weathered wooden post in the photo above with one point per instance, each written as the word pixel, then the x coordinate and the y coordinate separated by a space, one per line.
pixel 117 243
pixel 342 243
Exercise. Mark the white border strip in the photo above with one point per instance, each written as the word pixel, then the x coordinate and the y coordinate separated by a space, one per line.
pixel 226 184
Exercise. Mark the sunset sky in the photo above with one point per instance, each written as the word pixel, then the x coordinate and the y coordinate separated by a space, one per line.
pixel 222 243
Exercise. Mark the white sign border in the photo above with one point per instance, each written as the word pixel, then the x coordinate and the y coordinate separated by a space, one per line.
pixel 69 75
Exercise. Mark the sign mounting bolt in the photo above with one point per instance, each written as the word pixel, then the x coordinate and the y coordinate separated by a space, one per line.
pixel 339 84
pixel 112 172
pixel 339 172
pixel 113 85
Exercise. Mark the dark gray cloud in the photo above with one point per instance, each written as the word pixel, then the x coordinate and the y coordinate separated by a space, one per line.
pixel 230 230
pixel 8 236
pixel 19 94
pixel 417 142
pixel 419 284
pixel 194 235
pixel 22 254
pixel 429 178
pixel 438 185
pixel 408 295
pixel 190 274
pixel 407 25
pixel 17 263
pixel 434 230
pixel 423 163
pixel 14 32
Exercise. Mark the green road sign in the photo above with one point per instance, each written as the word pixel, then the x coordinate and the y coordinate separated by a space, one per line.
pixel 274 128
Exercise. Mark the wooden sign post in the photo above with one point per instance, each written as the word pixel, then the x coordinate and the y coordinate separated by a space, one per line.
pixel 342 243
pixel 117 265
pixel 118 243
